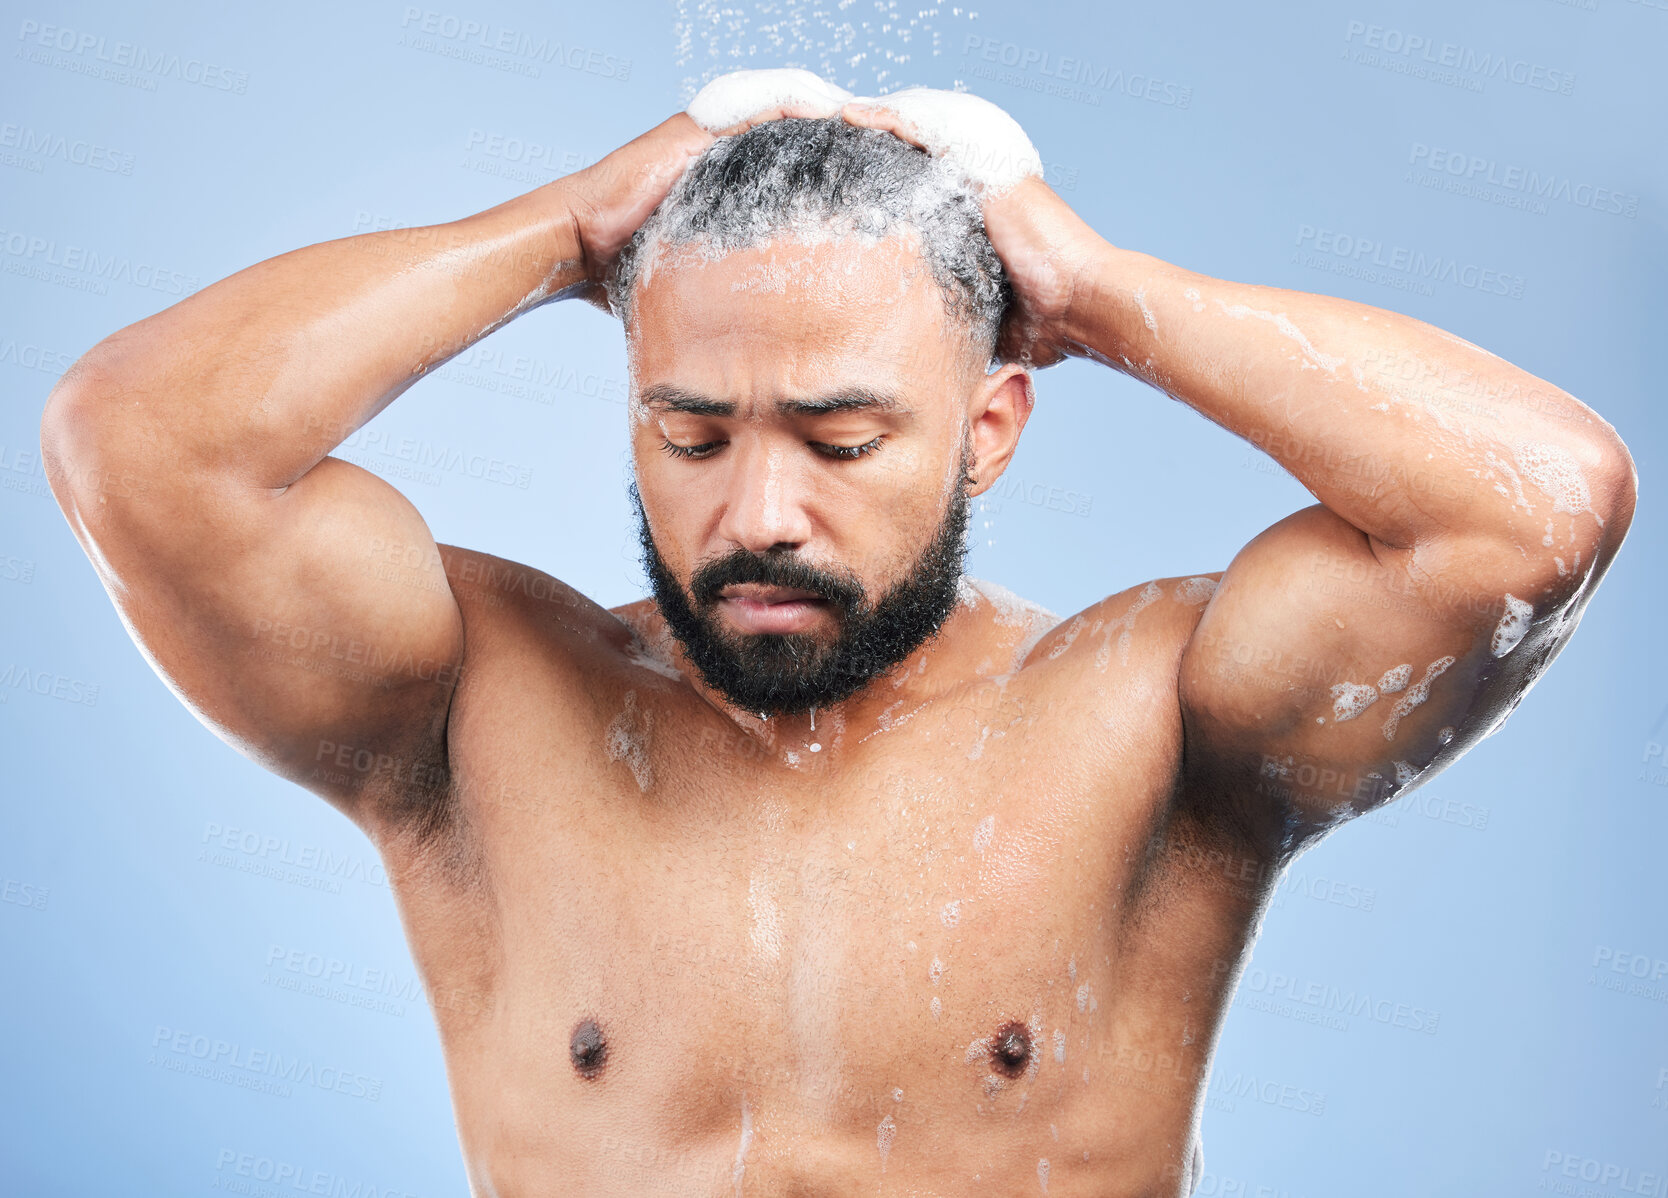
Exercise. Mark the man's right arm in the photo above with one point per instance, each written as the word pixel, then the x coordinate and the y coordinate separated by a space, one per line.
pixel 189 453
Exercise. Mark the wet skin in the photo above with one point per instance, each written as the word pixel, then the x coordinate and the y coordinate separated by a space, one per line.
pixel 949 898
pixel 969 931
pixel 953 899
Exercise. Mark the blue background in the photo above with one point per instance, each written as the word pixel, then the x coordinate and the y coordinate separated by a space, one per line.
pixel 1497 897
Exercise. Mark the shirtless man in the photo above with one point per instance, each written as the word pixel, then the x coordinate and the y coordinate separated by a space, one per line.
pixel 827 871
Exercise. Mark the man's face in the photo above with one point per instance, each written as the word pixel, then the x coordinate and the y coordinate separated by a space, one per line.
pixel 805 426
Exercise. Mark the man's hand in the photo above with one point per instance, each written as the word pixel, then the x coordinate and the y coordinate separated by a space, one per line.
pixel 1047 250
pixel 612 198
pixel 1049 253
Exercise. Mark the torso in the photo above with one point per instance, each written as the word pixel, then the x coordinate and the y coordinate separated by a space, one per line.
pixel 984 948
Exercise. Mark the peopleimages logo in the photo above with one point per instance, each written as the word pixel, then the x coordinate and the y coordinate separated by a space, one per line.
pixel 77 151
pixel 266 1070
pixel 15 677
pixel 1517 186
pixel 482 43
pixel 286 1177
pixel 1331 1003
pixel 1445 62
pixel 1625 1178
pixel 34 254
pixel 39 42
pixel 27 356
pixel 287 860
pixel 1640 974
pixel 1349 253
pixel 335 980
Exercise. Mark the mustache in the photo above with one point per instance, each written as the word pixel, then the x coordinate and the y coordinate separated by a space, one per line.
pixel 843 591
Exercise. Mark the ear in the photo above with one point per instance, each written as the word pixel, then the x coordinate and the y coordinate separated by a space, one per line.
pixel 1000 406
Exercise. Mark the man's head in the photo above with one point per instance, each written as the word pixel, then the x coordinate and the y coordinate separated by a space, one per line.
pixel 810 317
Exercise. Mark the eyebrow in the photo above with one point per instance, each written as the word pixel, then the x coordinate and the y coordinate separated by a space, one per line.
pixel 668 398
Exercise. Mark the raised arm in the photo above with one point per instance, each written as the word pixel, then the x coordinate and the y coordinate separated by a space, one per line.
pixel 296 602
pixel 1467 512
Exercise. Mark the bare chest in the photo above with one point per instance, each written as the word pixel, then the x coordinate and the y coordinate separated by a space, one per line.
pixel 881 949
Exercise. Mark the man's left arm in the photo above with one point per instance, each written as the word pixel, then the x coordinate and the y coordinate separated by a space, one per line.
pixel 1467 512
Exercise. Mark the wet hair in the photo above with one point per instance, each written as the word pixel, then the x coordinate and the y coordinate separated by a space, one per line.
pixel 820 176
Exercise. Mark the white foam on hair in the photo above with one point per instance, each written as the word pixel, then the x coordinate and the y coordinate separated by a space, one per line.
pixel 733 98
pixel 928 219
pixel 985 146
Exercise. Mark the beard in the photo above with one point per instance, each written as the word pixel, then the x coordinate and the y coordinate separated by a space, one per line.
pixel 782 673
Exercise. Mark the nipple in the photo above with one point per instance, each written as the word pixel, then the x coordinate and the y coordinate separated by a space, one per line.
pixel 1010 1049
pixel 587 1049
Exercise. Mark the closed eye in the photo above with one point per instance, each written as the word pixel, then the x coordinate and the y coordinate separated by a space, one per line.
pixel 847 453
pixel 705 450
pixel 841 453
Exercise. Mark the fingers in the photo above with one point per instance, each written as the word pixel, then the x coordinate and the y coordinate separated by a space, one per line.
pixel 774 113
pixel 864 115
pixel 872 116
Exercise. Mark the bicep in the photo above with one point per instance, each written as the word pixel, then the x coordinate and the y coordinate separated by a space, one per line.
pixel 1331 672
pixel 312 629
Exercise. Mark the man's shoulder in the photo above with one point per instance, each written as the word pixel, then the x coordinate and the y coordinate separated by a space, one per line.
pixel 1119 662
pixel 1146 624
pixel 518 618
pixel 1112 670
pixel 490 583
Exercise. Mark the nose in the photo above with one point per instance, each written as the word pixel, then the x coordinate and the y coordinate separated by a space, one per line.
pixel 762 498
